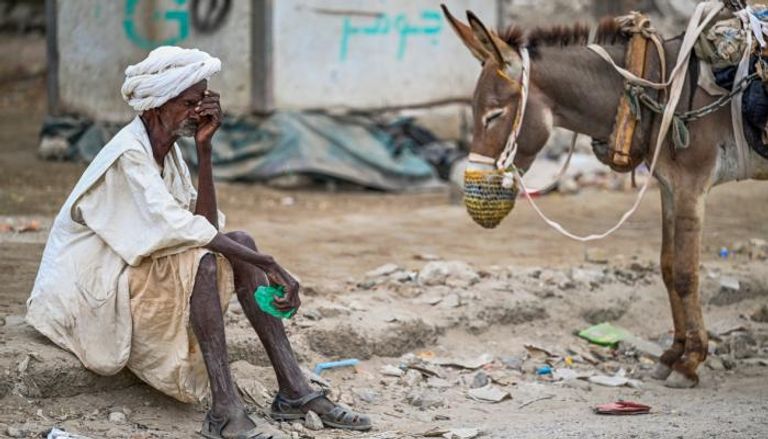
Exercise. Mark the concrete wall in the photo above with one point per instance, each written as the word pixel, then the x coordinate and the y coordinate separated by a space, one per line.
pixel 98 39
pixel 363 54
pixel 370 53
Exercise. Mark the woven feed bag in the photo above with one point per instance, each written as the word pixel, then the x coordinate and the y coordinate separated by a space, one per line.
pixel 488 202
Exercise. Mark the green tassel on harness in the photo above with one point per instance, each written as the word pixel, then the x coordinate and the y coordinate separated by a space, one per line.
pixel 634 103
pixel 680 134
pixel 265 298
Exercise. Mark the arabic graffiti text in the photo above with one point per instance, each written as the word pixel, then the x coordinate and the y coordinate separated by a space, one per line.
pixel 430 26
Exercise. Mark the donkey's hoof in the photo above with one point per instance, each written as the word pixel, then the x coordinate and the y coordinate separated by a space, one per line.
pixel 677 380
pixel 661 372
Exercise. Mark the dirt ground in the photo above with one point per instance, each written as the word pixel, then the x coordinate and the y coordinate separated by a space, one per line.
pixel 532 286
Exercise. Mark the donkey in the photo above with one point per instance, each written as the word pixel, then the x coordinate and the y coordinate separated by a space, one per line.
pixel 572 87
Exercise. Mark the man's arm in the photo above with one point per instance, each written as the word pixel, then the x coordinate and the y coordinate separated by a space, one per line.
pixel 209 110
pixel 230 248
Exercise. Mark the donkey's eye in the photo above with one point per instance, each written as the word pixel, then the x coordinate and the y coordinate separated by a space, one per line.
pixel 492 115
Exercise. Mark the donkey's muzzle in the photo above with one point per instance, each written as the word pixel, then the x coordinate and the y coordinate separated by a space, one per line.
pixel 488 201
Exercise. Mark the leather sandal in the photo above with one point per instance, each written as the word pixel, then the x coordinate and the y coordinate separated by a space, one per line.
pixel 284 409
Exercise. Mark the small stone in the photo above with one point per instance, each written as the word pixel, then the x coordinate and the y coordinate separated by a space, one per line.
pixel 565 374
pixel 23 364
pixel 15 432
pixel 761 315
pixel 402 276
pixel 730 283
pixel 479 380
pixel 642 346
pixel 588 277
pixel 424 400
pixel 438 272
pixel 384 270
pixel 513 362
pixel 391 371
pixel 312 421
pixel 412 378
pixel 742 345
pixel 715 363
pixel 462 433
pixel 117 417
pixel 451 301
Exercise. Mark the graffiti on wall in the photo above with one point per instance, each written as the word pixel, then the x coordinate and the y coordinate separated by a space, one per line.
pixel 429 25
pixel 204 16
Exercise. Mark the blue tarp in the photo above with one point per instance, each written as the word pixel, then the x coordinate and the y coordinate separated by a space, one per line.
pixel 392 157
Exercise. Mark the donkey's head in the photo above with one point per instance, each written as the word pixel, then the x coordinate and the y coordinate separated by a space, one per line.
pixel 496 109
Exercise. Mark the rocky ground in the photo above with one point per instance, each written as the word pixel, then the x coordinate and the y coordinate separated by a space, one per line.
pixel 448 350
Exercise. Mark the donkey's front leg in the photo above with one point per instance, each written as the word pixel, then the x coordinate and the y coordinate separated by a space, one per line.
pixel 671 355
pixel 689 218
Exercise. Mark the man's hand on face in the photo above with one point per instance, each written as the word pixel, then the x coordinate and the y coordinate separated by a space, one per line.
pixel 209 112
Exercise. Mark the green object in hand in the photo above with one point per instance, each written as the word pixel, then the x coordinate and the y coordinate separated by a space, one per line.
pixel 265 298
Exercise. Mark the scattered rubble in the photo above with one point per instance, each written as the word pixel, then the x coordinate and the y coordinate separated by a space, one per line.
pixel 754 249
pixel 416 383
pixel 455 273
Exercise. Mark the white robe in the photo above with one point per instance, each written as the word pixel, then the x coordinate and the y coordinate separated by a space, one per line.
pixel 81 299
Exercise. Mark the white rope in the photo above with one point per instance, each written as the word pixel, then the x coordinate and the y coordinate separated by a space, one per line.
pixel 507 157
pixel 676 81
pixel 695 26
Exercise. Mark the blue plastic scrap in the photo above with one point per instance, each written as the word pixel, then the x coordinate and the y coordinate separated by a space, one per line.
pixel 350 362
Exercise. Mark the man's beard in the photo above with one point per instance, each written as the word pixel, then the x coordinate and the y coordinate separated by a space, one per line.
pixel 188 128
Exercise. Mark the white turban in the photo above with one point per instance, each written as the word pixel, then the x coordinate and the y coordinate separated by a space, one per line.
pixel 164 74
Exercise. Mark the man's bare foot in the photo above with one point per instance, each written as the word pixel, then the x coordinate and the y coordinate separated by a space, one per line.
pixel 237 423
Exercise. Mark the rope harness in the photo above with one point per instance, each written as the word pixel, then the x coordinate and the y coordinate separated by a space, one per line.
pixel 511 177
pixel 680 135
pixel 639 27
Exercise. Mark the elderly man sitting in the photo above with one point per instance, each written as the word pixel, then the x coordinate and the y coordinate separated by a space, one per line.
pixel 137 272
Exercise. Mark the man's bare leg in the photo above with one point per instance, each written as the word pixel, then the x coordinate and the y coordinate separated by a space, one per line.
pixel 291 380
pixel 208 324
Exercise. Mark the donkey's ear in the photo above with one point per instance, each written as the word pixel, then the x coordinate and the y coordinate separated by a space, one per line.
pixel 466 35
pixel 498 48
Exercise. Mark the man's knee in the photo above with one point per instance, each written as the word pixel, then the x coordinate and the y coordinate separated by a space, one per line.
pixel 243 238
pixel 207 268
